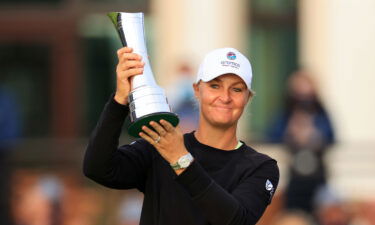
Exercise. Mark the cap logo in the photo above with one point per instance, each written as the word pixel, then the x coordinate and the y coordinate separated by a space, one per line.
pixel 231 56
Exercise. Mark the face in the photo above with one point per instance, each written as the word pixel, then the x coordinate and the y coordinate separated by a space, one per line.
pixel 301 86
pixel 222 100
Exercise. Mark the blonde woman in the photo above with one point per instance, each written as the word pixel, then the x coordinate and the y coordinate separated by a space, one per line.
pixel 207 176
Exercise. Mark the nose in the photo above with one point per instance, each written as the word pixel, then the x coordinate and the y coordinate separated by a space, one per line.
pixel 225 96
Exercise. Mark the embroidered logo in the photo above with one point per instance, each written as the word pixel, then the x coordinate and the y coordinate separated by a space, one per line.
pixel 231 56
pixel 269 185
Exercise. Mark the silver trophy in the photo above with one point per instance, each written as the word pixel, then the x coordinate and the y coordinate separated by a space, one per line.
pixel 147 101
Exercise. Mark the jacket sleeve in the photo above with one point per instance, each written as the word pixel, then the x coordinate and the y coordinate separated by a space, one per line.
pixel 121 168
pixel 243 206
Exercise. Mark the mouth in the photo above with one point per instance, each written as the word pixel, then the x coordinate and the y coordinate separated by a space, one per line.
pixel 224 108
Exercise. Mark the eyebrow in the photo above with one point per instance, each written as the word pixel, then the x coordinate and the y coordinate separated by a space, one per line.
pixel 217 79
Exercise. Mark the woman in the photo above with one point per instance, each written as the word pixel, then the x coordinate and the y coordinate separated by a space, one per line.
pixel 204 177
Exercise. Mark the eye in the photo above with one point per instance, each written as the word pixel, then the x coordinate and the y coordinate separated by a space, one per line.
pixel 214 86
pixel 237 89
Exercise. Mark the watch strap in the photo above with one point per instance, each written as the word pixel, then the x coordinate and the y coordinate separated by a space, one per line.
pixel 176 166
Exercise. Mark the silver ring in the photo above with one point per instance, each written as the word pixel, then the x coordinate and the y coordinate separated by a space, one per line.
pixel 157 140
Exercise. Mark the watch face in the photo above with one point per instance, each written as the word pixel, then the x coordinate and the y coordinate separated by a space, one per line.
pixel 185 161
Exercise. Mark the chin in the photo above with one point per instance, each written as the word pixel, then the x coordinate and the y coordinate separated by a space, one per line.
pixel 223 122
pixel 224 125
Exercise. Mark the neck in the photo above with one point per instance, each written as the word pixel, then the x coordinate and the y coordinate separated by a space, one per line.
pixel 217 137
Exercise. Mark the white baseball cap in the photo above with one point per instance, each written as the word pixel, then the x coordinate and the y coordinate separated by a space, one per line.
pixel 223 61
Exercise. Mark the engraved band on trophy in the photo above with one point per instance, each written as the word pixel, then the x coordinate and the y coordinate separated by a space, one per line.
pixel 147 101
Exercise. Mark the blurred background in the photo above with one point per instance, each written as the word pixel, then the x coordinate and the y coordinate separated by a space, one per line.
pixel 314 70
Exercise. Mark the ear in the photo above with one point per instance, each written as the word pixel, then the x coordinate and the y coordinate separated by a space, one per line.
pixel 196 89
pixel 250 96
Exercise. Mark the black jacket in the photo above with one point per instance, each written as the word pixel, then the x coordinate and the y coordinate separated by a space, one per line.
pixel 219 187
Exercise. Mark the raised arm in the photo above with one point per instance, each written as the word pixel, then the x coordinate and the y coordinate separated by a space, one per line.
pixel 104 162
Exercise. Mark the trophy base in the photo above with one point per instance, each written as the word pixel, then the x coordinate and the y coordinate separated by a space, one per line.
pixel 135 127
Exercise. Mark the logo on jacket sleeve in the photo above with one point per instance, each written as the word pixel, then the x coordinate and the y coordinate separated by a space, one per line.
pixel 269 187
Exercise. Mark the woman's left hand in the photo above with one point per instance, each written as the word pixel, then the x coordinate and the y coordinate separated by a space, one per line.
pixel 167 140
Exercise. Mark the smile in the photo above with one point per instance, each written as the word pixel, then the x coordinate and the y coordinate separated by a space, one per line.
pixel 223 107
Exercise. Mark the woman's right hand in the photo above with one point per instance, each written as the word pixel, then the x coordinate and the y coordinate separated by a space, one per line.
pixel 129 65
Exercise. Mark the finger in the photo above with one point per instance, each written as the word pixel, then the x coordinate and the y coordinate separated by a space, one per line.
pixel 159 129
pixel 131 64
pixel 147 138
pixel 150 132
pixel 129 73
pixel 167 126
pixel 128 57
pixel 124 50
